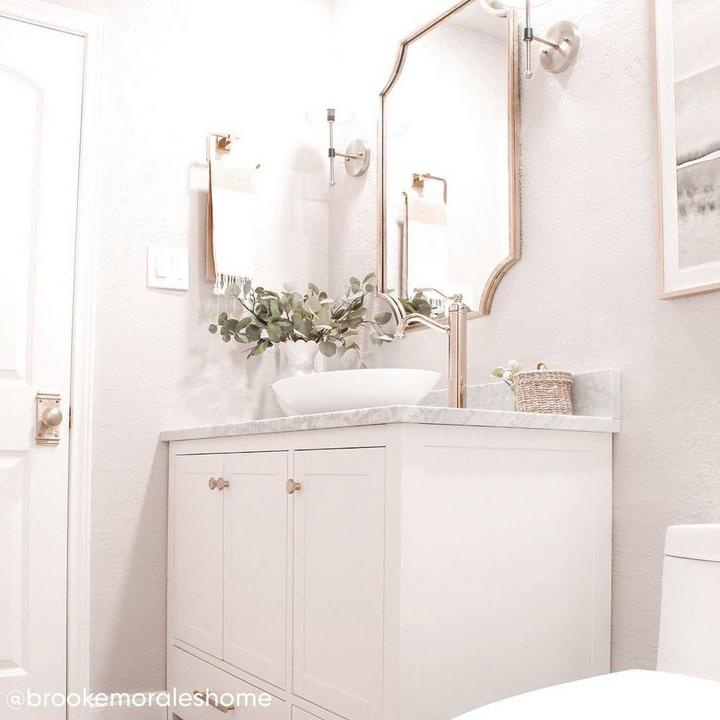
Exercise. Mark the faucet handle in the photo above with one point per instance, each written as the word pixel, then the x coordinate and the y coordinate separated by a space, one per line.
pixel 456 298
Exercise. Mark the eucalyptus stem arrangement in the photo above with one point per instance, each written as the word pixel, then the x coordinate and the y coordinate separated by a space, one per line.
pixel 270 318
pixel 507 374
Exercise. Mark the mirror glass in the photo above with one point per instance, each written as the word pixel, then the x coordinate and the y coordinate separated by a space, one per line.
pixel 449 172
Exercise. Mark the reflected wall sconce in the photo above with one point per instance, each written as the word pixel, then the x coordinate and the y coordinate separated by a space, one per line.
pixel 560 47
pixel 356 155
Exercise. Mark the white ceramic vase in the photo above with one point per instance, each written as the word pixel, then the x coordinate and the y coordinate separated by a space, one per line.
pixel 300 357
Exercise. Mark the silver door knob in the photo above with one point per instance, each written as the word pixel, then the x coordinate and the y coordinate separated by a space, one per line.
pixel 52 416
pixel 222 483
pixel 292 487
pixel 212 483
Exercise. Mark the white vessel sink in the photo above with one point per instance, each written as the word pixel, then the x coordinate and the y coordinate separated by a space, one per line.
pixel 353 389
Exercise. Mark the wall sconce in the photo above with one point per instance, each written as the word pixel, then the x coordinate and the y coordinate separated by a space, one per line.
pixel 356 156
pixel 561 45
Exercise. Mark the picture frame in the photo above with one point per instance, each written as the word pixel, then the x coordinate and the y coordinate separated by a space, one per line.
pixel 688 105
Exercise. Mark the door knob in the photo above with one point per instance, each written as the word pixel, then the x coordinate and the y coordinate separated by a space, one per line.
pixel 292 487
pixel 212 483
pixel 222 483
pixel 49 417
pixel 52 416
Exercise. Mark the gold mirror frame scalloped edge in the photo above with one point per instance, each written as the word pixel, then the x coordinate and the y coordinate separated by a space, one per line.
pixel 514 218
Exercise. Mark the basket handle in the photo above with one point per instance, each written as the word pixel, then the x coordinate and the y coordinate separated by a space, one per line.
pixel 541 366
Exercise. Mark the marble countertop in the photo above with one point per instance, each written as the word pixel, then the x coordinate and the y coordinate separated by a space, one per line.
pixel 400 414
pixel 596 399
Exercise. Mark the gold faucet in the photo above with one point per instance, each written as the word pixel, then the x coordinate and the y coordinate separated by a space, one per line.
pixel 456 330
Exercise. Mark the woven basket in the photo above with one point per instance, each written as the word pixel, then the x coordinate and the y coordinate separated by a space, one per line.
pixel 544 391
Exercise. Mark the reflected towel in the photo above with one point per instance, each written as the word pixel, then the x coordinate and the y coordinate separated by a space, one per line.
pixel 428 260
pixel 231 223
pixel 423 210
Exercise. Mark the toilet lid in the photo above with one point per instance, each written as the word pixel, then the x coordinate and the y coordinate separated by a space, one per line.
pixel 626 695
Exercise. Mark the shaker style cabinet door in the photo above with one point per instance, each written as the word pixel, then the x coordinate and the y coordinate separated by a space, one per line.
pixel 197 542
pixel 338 556
pixel 256 501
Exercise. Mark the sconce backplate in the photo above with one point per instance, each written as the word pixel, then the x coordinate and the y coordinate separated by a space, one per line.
pixel 360 161
pixel 566 35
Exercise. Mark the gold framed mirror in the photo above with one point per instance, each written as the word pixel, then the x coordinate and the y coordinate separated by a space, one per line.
pixel 448 161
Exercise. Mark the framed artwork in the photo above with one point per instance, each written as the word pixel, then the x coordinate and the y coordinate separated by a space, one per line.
pixel 688 92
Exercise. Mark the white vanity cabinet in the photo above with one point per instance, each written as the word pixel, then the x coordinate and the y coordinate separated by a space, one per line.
pixel 399 571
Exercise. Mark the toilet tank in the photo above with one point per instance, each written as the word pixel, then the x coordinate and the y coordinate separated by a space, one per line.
pixel 689 640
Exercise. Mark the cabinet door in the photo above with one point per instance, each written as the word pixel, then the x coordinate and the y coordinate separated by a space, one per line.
pixel 338 543
pixel 197 546
pixel 255 634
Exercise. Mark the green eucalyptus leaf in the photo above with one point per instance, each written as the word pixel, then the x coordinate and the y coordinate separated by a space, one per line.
pixel 328 349
pixel 274 332
pixel 383 317
pixel 304 328
pixel 253 333
pixel 260 348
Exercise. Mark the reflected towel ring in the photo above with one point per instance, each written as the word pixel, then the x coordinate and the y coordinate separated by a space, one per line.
pixel 223 141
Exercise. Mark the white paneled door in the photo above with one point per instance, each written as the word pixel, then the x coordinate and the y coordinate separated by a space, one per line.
pixel 41 83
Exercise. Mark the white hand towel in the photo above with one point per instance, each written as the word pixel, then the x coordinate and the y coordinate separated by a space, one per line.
pixel 424 210
pixel 232 222
pixel 428 259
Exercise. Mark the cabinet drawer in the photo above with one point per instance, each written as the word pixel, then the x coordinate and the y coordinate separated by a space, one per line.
pixel 189 675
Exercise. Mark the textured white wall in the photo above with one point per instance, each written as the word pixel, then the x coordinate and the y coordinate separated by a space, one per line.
pixel 173 72
pixel 585 294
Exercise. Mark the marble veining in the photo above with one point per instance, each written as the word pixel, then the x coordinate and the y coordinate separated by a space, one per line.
pixel 400 414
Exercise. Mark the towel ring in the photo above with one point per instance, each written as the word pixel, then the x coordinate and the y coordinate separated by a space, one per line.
pixel 223 141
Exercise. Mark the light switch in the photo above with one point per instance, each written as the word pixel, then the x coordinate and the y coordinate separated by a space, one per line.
pixel 163 265
pixel 168 267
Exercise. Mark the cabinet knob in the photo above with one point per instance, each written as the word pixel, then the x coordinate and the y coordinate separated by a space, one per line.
pixel 222 483
pixel 292 487
pixel 212 483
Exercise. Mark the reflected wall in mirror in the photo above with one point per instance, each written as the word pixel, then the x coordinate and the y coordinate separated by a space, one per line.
pixel 449 179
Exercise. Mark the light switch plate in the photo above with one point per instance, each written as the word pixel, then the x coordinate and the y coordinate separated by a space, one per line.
pixel 168 267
